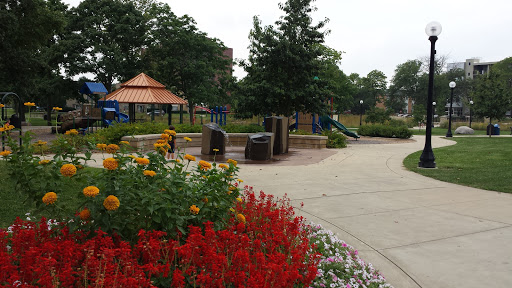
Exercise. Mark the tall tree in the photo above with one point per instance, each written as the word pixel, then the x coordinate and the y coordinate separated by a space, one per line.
pixel 284 65
pixel 492 97
pixel 27 29
pixel 186 60
pixel 106 39
pixel 369 89
pixel 404 84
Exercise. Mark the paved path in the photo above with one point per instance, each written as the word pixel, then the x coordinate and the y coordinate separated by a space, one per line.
pixel 418 231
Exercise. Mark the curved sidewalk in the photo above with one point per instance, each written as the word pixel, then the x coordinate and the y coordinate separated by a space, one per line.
pixel 417 231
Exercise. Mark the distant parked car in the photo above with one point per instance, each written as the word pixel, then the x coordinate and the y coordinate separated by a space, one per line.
pixel 157 113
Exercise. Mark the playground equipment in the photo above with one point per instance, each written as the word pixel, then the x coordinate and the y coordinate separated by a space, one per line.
pixel 315 124
pixel 326 121
pixel 110 112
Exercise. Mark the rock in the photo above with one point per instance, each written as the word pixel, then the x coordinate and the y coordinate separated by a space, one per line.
pixel 464 130
pixel 259 146
pixel 278 126
pixel 213 138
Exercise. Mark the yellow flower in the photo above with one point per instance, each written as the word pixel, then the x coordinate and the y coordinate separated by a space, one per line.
pixel 164 136
pixel 203 165
pixel 112 148
pixel 5 153
pixel 91 191
pixel 132 156
pixel 101 146
pixel 187 139
pixel 240 218
pixel 2 129
pixel 215 150
pixel 40 143
pixel 57 108
pixel 189 157
pixel 149 173
pixel 232 188
pixel 232 210
pixel 85 214
pixel 231 161
pixel 111 203
pixel 110 164
pixel 29 104
pixel 124 142
pixel 44 162
pixel 240 180
pixel 178 160
pixel 194 209
pixel 172 133
pixel 68 170
pixel 223 166
pixel 49 198
pixel 239 199
pixel 167 131
pixel 142 161
pixel 72 132
pixel 2 105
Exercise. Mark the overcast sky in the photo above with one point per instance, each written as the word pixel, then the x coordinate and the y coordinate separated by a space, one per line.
pixel 374 34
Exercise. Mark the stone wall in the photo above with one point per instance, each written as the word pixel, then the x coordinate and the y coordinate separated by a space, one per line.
pixel 145 142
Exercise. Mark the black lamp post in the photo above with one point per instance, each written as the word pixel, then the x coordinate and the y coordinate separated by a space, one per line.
pixel 361 113
pixel 470 106
pixel 433 113
pixel 449 133
pixel 427 159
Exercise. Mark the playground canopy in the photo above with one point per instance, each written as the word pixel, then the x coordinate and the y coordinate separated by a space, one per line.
pixel 93 88
pixel 143 89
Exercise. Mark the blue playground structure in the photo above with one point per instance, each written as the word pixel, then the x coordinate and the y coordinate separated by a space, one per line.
pixel 110 112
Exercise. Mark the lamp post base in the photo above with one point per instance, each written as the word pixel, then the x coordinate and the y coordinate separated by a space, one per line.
pixel 449 134
pixel 427 164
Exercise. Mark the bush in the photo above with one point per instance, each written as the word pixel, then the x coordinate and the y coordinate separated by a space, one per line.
pixel 300 132
pixel 335 139
pixel 385 131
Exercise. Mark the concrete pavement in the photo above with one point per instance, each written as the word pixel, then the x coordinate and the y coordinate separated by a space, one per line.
pixel 417 231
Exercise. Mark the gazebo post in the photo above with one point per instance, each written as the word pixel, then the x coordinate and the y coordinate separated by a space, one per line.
pixel 131 112
pixel 169 114
pixel 181 113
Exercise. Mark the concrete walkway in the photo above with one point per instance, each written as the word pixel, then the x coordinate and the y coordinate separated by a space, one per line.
pixel 417 231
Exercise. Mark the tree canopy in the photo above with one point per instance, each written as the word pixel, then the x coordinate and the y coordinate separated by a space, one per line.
pixel 284 65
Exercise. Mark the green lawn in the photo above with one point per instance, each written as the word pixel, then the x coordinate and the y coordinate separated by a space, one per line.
pixel 12 205
pixel 436 131
pixel 479 162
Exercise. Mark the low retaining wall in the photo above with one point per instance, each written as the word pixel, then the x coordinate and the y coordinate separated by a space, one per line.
pixel 145 142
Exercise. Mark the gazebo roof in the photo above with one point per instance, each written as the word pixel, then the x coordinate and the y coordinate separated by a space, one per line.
pixel 143 89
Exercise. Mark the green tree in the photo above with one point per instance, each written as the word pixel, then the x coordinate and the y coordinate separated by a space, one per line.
pixel 369 89
pixel 492 97
pixel 404 84
pixel 105 38
pixel 186 60
pixel 284 65
pixel 27 34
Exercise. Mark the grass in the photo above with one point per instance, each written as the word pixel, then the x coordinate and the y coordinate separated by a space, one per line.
pixel 13 205
pixel 479 162
pixel 436 131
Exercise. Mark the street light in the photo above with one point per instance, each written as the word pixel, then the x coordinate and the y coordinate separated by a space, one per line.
pixel 427 159
pixel 361 113
pixel 433 113
pixel 470 106
pixel 449 133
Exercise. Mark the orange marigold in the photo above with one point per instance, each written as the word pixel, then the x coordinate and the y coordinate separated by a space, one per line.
pixel 72 132
pixel 85 214
pixel 187 139
pixel 68 170
pixel 142 161
pixel 91 191
pixel 101 146
pixel 5 153
pixel 165 136
pixel 223 166
pixel 204 165
pixel 44 162
pixel 49 198
pixel 231 161
pixel 110 164
pixel 194 209
pixel 240 218
pixel 189 157
pixel 149 173
pixel 111 203
pixel 112 148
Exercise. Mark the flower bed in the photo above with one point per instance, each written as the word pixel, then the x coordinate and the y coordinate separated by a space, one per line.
pixel 142 221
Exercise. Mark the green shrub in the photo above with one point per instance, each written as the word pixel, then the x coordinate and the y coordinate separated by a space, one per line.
pixel 335 139
pixel 300 132
pixel 397 123
pixel 385 131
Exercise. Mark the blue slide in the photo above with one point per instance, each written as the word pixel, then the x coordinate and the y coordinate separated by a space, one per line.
pixel 341 127
pixel 123 118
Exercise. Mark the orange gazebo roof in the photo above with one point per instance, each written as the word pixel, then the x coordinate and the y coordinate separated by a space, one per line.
pixel 143 89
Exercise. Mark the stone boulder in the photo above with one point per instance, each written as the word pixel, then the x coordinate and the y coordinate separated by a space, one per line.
pixel 259 146
pixel 213 138
pixel 464 130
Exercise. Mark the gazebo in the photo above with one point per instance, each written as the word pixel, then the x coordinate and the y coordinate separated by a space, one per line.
pixel 143 89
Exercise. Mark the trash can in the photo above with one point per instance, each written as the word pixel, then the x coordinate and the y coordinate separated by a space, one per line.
pixel 496 130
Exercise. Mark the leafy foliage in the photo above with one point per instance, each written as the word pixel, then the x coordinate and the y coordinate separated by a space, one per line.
pixel 378 115
pixel 283 64
pixel 335 139
pixel 493 96
pixel 385 131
